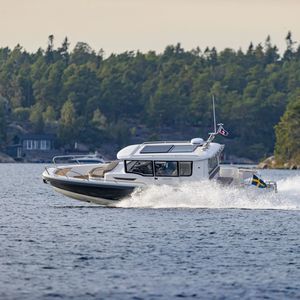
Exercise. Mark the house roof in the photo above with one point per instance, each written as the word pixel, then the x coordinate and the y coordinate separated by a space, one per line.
pixel 38 137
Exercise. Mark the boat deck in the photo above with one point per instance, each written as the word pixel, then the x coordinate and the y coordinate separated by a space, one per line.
pixel 98 172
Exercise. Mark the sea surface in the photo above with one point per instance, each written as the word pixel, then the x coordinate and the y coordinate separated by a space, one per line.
pixel 193 242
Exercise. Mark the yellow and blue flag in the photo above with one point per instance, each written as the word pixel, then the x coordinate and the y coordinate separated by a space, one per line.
pixel 258 182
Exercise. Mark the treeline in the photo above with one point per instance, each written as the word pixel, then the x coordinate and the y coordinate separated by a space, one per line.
pixel 287 148
pixel 81 96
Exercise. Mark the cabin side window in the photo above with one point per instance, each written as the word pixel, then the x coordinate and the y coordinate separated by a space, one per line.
pixel 185 168
pixel 166 168
pixel 140 167
pixel 159 168
pixel 212 163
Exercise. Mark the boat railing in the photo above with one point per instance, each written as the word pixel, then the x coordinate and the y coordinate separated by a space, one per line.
pixel 75 158
pixel 165 142
pixel 79 175
pixel 272 185
pixel 46 169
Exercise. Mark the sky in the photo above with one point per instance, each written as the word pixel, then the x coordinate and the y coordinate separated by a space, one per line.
pixel 123 25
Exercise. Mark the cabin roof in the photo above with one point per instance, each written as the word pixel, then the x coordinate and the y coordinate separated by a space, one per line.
pixel 169 151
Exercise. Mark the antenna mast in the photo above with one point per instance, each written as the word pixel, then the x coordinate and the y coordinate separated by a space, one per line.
pixel 212 134
pixel 220 130
pixel 214 113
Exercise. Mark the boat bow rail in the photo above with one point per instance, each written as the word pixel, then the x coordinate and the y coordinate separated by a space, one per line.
pixel 77 158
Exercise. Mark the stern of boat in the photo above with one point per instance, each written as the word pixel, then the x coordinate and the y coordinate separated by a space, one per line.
pixel 230 175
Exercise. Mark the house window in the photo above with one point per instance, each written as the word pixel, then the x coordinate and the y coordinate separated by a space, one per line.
pixel 45 145
pixel 29 144
pixel 35 144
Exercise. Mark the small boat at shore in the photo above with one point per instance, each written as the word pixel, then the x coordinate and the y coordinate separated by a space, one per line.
pixel 150 163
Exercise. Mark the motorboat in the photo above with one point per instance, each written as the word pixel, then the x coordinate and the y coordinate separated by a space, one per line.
pixel 150 163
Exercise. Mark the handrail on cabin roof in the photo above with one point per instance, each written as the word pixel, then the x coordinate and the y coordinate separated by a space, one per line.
pixel 166 142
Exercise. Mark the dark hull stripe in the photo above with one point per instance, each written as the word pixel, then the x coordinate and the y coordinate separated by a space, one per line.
pixel 99 191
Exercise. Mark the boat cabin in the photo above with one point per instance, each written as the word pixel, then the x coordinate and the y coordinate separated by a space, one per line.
pixel 172 159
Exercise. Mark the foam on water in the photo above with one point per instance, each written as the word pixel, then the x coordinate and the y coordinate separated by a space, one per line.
pixel 211 195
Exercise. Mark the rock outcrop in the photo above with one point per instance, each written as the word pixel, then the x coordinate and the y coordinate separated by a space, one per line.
pixel 4 158
pixel 271 163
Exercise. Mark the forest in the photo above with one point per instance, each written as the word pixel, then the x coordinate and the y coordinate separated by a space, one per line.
pixel 82 96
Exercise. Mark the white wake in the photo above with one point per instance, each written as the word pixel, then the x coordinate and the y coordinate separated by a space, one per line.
pixel 211 195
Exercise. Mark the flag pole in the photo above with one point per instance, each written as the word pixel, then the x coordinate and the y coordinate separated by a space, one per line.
pixel 212 134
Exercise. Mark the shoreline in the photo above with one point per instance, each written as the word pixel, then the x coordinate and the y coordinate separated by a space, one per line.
pixel 269 163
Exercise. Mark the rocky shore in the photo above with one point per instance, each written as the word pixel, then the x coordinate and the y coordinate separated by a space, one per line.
pixel 4 158
pixel 271 163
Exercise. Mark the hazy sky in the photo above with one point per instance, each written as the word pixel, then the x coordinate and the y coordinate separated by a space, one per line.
pixel 119 25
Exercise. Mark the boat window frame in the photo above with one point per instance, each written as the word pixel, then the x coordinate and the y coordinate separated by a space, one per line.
pixel 215 169
pixel 136 160
pixel 178 168
pixel 188 148
pixel 185 161
pixel 162 149
pixel 153 168
pixel 165 161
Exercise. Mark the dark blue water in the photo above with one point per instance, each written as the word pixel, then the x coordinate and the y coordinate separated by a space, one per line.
pixel 52 247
